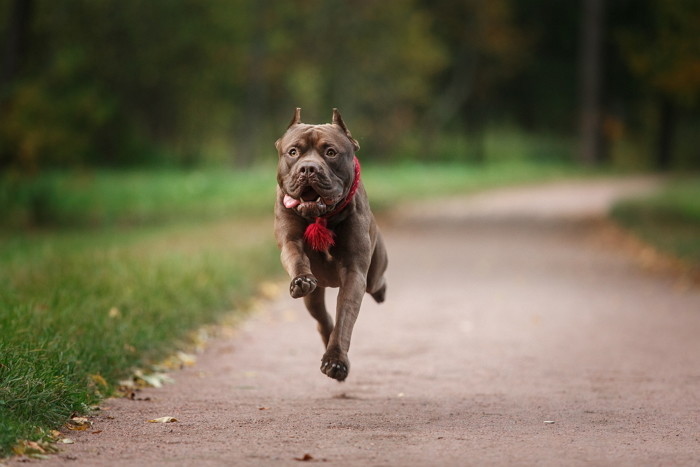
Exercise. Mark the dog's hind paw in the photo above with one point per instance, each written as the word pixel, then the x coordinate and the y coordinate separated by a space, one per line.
pixel 380 295
pixel 302 285
pixel 335 367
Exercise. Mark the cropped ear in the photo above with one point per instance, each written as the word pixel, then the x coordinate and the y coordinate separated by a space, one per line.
pixel 338 120
pixel 296 119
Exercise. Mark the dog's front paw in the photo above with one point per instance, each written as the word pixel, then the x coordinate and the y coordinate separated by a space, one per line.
pixel 302 285
pixel 335 364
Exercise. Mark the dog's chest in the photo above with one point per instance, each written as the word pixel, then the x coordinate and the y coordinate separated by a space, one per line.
pixel 325 268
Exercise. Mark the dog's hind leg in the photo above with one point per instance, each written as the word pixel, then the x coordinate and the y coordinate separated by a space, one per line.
pixel 379 295
pixel 376 282
pixel 316 304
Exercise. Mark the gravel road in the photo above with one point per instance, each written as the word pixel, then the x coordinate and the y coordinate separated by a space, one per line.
pixel 513 333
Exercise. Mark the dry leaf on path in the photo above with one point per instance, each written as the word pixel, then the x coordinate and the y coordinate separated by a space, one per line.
pixel 34 449
pixel 155 380
pixel 78 424
pixel 163 420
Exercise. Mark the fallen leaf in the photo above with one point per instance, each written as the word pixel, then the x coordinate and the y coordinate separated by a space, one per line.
pixel 78 424
pixel 163 420
pixel 114 313
pixel 98 379
pixel 186 358
pixel 263 408
pixel 152 379
pixel 96 432
pixel 126 384
pixel 66 441
pixel 34 449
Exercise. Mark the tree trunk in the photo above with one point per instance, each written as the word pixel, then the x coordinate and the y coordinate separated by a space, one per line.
pixel 255 90
pixel 15 44
pixel 667 126
pixel 590 81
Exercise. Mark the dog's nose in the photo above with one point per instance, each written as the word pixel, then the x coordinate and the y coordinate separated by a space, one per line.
pixel 309 168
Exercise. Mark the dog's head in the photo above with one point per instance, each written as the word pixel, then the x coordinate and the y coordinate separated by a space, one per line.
pixel 316 168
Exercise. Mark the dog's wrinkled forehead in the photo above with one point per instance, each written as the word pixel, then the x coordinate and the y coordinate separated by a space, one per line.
pixel 315 136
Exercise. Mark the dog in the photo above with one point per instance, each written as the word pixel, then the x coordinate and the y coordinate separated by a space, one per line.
pixel 326 232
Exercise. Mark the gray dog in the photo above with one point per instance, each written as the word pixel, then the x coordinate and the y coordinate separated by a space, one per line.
pixel 326 231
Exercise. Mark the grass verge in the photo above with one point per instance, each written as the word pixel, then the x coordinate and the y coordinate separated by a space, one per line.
pixel 107 271
pixel 80 308
pixel 669 220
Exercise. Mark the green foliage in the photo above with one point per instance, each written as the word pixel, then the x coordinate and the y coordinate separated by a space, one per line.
pixel 202 82
pixel 121 83
pixel 665 54
pixel 109 198
pixel 669 219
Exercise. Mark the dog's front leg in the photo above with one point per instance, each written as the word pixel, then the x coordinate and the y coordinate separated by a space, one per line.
pixel 335 362
pixel 297 265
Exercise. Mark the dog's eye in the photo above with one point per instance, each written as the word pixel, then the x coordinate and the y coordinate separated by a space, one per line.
pixel 331 152
pixel 293 152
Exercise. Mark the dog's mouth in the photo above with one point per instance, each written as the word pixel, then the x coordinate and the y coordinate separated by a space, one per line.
pixel 308 198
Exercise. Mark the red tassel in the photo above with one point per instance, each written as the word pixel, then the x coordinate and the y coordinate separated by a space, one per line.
pixel 318 236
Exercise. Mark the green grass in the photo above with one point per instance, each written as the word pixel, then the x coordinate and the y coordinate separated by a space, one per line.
pixel 141 198
pixel 388 186
pixel 669 220
pixel 131 198
pixel 57 290
pixel 170 251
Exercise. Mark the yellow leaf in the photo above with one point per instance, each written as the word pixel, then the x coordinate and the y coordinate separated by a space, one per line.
pixel 98 379
pixel 79 424
pixel 155 380
pixel 186 358
pixel 163 420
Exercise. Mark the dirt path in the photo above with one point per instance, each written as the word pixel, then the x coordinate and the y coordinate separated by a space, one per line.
pixel 511 336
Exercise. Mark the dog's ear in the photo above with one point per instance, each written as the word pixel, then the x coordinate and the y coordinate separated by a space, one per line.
pixel 338 120
pixel 296 119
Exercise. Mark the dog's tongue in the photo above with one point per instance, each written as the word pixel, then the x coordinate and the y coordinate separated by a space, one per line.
pixel 290 202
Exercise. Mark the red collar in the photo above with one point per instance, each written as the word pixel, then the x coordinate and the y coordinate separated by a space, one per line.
pixel 317 234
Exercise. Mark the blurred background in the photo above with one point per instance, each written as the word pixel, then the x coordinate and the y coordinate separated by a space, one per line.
pixel 162 83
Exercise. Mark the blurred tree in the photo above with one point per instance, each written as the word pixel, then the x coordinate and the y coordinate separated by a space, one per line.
pixel 590 77
pixel 16 39
pixel 112 82
pixel 487 49
pixel 662 50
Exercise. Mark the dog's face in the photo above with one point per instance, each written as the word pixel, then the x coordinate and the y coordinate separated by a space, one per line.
pixel 316 168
